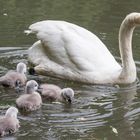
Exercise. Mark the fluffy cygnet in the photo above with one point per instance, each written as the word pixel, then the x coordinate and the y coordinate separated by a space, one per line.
pixel 15 78
pixel 31 100
pixel 9 123
pixel 54 93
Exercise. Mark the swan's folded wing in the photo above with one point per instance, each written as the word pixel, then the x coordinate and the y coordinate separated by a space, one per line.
pixel 73 46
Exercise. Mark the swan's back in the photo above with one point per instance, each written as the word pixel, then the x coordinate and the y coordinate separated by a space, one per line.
pixel 73 48
pixel 74 42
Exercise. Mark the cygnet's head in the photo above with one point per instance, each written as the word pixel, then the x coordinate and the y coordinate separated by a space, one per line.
pixel 21 68
pixel 12 112
pixel 31 86
pixel 68 94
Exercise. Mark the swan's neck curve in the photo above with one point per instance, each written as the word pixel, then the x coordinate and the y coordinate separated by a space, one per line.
pixel 128 74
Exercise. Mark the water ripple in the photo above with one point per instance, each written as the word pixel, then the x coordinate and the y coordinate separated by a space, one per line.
pixel 94 106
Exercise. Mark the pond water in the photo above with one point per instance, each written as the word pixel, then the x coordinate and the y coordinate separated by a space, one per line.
pixel 98 111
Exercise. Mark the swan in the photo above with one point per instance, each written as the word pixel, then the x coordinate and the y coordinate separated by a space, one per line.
pixel 9 123
pixel 31 100
pixel 68 51
pixel 16 78
pixel 51 92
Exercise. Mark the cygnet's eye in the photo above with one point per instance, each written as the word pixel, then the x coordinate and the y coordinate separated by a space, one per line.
pixel 35 85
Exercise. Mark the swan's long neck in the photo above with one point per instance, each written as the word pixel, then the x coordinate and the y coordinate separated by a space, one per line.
pixel 128 74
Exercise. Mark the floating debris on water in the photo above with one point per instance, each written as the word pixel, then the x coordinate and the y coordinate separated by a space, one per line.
pixel 5 14
pixel 114 130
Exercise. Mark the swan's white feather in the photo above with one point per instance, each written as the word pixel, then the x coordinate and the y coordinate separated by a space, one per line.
pixel 76 49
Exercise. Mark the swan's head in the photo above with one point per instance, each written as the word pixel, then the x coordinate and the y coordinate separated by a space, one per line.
pixel 21 68
pixel 68 94
pixel 31 86
pixel 12 112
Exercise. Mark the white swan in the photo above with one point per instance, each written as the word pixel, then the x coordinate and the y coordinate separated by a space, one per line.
pixel 71 52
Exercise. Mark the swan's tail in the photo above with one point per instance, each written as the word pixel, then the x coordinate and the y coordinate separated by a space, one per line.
pixel 27 32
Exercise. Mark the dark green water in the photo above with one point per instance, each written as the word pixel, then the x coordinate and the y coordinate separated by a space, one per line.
pixel 96 108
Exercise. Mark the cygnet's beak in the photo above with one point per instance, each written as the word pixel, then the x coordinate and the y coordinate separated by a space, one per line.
pixel 18 86
pixel 70 100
